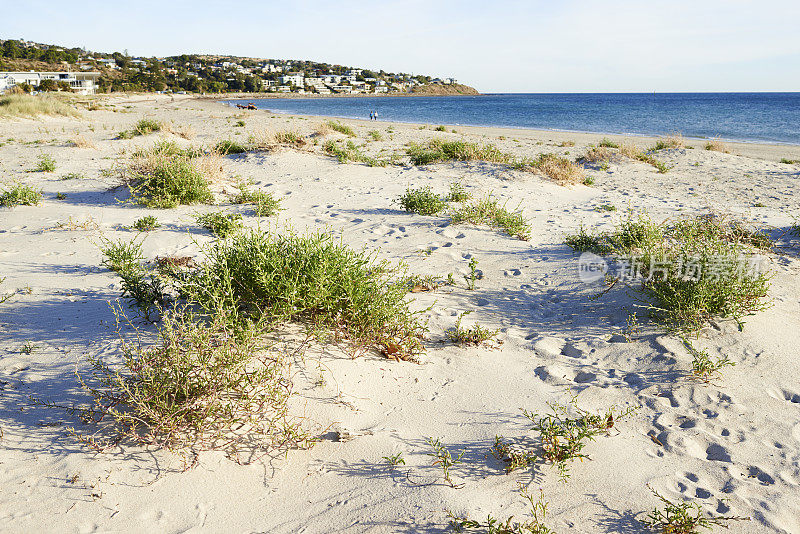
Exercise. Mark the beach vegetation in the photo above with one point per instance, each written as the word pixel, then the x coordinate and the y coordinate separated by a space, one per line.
pixel 350 153
pixel 475 335
pixel 19 195
pixel 557 168
pixel 45 163
pixel 458 193
pixel 146 223
pixel 221 224
pixel 439 150
pixel 288 137
pixel 228 146
pixel 607 143
pixel 337 126
pixel 121 255
pixel 489 211
pixel 443 458
pixel 715 145
pixel 535 525
pixel 79 141
pixel 440 129
pixel 142 127
pixel 165 175
pixel 668 142
pixel 394 460
pixel 265 203
pixel 473 276
pixel 684 517
pixel 422 200
pixel 705 368
pixel 30 106
pixel 73 176
pixel 375 135
pixel 185 131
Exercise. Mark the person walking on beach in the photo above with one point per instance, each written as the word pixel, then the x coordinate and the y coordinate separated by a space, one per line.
pixel 375 114
pixel 371 115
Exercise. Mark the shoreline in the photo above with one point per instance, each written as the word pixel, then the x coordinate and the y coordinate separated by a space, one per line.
pixel 514 128
pixel 753 149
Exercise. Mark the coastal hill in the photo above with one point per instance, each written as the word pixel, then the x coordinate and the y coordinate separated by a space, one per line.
pixel 202 73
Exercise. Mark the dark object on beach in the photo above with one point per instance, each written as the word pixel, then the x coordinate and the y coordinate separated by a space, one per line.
pixel 249 105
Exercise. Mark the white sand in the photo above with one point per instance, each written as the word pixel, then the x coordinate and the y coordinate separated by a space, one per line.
pixel 731 446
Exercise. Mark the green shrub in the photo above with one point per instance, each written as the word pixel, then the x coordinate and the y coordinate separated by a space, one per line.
pixel 608 143
pixel 341 128
pixel 221 224
pixel 46 163
pixel 146 223
pixel 789 161
pixel 311 279
pixel 477 335
pixel 205 385
pixel 440 129
pixel 489 211
pixel 121 255
pixel 375 135
pixel 146 126
pixel 266 204
pixel 458 193
pixel 20 195
pixel 227 146
pixel 693 270
pixel 166 176
pixel 422 201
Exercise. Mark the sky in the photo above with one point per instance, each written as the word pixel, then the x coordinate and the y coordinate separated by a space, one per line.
pixel 495 46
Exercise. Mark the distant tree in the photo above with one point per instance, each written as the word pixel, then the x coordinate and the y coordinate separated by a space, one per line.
pixel 63 85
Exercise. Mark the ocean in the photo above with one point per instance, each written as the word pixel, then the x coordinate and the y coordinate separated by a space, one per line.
pixel 750 117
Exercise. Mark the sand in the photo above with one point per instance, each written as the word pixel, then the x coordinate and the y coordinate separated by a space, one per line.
pixel 731 445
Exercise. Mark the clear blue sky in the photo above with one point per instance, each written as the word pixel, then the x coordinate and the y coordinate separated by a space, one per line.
pixel 505 45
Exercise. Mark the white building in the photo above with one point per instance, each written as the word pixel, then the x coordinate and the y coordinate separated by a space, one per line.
pixel 293 79
pixel 84 83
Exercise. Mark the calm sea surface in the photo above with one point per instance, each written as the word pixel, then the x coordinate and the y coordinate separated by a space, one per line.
pixel 754 117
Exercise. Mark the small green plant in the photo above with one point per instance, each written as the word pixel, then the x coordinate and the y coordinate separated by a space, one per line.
pixel 473 275
pixel 477 335
pixel 349 152
pixel 20 195
pixel 589 180
pixel 375 135
pixel 45 163
pixel 61 196
pixel 27 348
pixel 395 459
pixel 221 224
pixel 121 255
pixel 684 518
pixel 265 204
pixel 704 368
pixel 228 146
pixel 438 150
pixel 605 207
pixel 341 128
pixel 444 459
pixel 422 201
pixel 146 223
pixel 607 143
pixel 440 129
pixel 489 211
pixel 562 438
pixel 458 193
pixel 146 126
pixel 789 161
pixel 239 124
pixel 73 176
pixel 514 457
pixel 534 525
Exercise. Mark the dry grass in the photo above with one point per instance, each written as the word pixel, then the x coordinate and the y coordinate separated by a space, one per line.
pixel 629 150
pixel 322 130
pixel 184 131
pixel 717 146
pixel 28 106
pixel 670 141
pixel 598 155
pixel 79 141
pixel 561 170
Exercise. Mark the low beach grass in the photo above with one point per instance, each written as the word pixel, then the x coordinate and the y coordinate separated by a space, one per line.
pixel 30 106
pixel 474 335
pixel 19 195
pixel 165 175
pixel 692 270
pixel 715 145
pixel 142 127
pixel 265 203
pixel 490 212
pixel 422 200
pixel 608 152
pixel 45 163
pixel 439 150
pixel 145 224
pixel 221 224
pixel 80 141
pixel 350 153
pixel 229 146
pixel 337 126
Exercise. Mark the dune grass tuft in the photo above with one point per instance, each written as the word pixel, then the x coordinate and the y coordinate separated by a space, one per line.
pixel 439 150
pixel 489 211
pixel 30 106
pixel 715 145
pixel 228 146
pixel 422 201
pixel 45 163
pixel 165 176
pixel 79 141
pixel 337 126
pixel 221 224
pixel 19 195
pixel 350 153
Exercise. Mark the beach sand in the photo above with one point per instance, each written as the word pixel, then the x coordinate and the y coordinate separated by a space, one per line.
pixel 732 446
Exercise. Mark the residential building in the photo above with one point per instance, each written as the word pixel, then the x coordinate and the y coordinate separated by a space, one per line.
pixel 80 82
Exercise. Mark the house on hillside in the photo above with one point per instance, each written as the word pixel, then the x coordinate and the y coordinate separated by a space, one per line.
pixel 84 83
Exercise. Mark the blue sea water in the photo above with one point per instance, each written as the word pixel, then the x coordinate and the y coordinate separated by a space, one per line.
pixel 753 117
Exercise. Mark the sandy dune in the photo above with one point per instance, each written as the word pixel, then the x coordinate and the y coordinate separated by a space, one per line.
pixel 732 445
